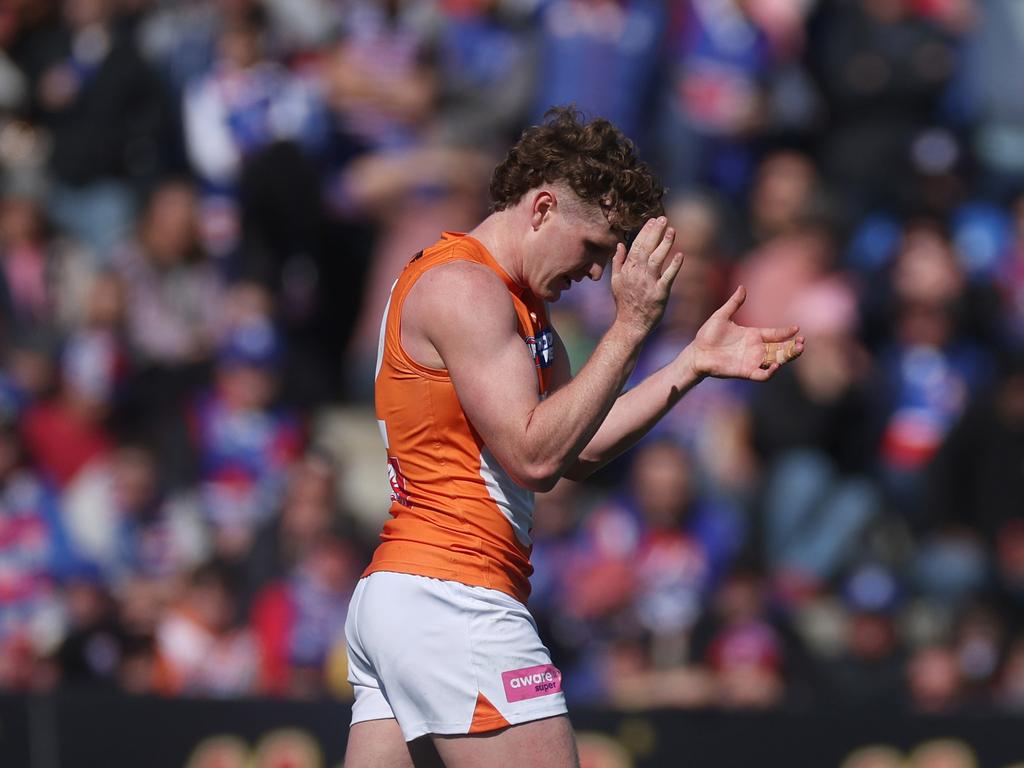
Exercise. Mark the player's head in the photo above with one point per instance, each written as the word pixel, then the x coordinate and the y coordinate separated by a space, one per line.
pixel 594 159
pixel 585 183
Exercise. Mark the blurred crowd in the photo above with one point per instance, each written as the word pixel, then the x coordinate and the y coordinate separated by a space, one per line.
pixel 203 204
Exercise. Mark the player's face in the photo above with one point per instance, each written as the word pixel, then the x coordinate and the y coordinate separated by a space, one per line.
pixel 579 244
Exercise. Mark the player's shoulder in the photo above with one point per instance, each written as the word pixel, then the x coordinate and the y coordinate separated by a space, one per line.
pixel 459 299
pixel 461 285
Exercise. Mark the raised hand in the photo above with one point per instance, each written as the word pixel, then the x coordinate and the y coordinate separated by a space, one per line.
pixel 641 279
pixel 724 349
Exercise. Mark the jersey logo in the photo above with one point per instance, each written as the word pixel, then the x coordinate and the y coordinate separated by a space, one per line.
pixel 542 347
pixel 397 481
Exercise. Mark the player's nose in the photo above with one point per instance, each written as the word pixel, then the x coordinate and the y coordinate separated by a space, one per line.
pixel 595 272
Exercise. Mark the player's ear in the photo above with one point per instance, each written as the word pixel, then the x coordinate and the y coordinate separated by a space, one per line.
pixel 544 204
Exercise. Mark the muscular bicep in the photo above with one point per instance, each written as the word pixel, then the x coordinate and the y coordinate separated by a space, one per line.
pixel 466 313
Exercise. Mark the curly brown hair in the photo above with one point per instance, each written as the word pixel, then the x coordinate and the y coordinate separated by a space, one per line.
pixel 594 158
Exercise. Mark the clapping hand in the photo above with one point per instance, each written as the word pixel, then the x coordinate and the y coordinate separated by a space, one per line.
pixel 724 349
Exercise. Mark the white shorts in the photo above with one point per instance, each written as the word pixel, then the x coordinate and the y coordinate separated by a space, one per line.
pixel 442 657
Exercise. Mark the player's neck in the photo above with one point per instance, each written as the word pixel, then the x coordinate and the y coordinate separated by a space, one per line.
pixel 497 233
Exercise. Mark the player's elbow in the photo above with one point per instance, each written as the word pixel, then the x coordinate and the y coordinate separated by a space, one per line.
pixel 538 477
pixel 528 469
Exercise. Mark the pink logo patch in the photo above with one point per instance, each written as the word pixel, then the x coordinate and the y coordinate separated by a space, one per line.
pixel 531 682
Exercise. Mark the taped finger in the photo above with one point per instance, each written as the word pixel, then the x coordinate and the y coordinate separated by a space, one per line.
pixel 779 352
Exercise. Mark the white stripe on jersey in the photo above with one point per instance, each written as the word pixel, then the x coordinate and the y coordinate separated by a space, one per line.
pixel 383 332
pixel 514 501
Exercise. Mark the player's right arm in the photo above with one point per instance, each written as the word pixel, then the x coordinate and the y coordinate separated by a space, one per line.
pixel 464 312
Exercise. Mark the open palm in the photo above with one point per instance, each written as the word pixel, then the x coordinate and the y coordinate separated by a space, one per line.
pixel 724 349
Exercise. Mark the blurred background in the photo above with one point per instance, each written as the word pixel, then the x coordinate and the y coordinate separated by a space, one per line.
pixel 203 204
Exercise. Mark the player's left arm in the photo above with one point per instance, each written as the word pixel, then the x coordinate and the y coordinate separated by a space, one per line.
pixel 721 349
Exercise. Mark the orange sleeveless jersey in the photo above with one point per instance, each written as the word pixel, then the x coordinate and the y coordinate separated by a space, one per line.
pixel 456 514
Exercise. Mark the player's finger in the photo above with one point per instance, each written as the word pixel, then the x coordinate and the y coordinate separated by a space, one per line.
pixel 647 240
pixel 780 352
pixel 669 275
pixel 657 258
pixel 779 334
pixel 734 302
pixel 618 259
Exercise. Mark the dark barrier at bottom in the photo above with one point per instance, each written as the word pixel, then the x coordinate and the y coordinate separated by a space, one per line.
pixel 90 730
pixel 15 732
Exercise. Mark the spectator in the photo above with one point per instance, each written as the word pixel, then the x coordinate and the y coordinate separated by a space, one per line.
pixel 13 88
pixel 749 652
pixel 28 373
pixel 137 674
pixel 175 307
pixel 786 190
pixel 883 70
pixel 971 488
pixel 202 650
pixel 1009 565
pixel 174 295
pixel 91 653
pixel 180 40
pixel 818 499
pixel 42 276
pixel 1009 692
pixel 244 443
pixel 244 104
pixel 382 81
pixel 935 680
pixel 655 553
pixel 798 248
pixel 251 126
pixel 682 541
pixel 1010 275
pixel 107 114
pixel 411 172
pixel 979 640
pixel 67 432
pixel 35 553
pixel 300 619
pixel 928 371
pixel 309 512
pixel 124 521
pixel 604 57
pixel 994 44
pixel 733 77
pixel 868 674
pixel 487 63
